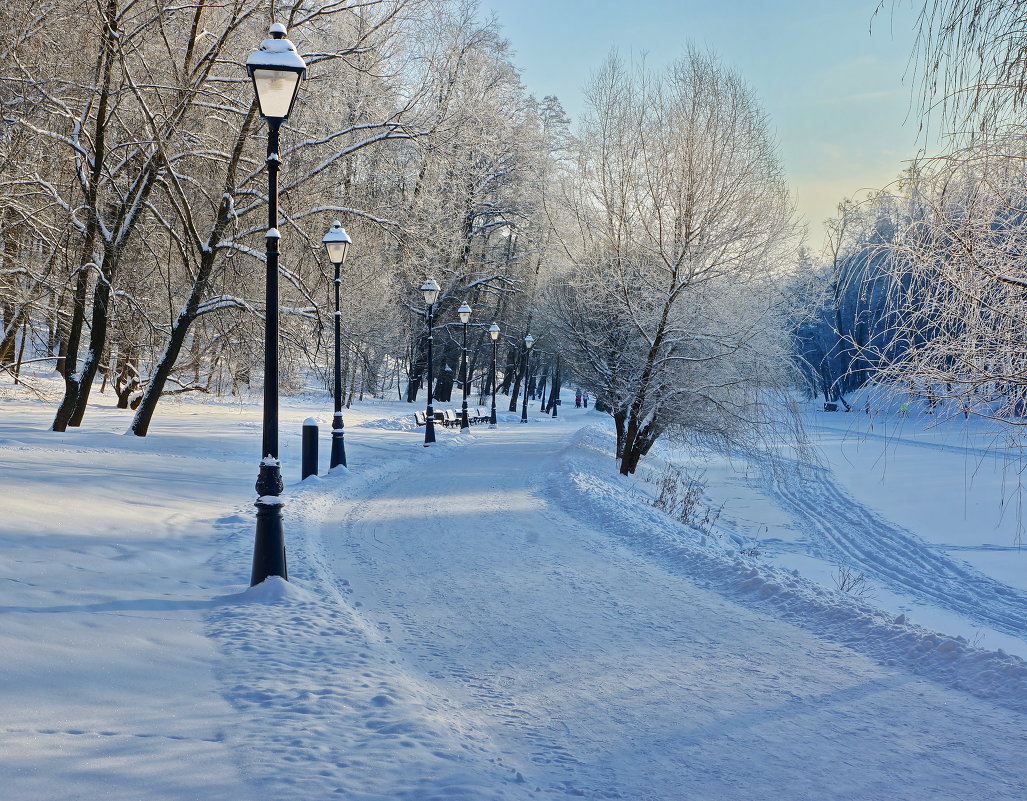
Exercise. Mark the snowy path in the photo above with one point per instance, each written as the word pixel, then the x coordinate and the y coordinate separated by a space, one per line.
pixel 560 660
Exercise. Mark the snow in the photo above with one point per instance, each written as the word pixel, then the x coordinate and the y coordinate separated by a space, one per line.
pixel 275 53
pixel 503 616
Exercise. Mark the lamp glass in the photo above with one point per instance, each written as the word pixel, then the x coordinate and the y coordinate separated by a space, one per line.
pixel 529 340
pixel 275 89
pixel 431 292
pixel 494 332
pixel 337 251
pixel 465 313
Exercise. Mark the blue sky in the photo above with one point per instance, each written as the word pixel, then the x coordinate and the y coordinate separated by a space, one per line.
pixel 834 79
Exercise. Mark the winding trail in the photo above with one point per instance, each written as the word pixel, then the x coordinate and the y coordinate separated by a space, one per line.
pixel 584 668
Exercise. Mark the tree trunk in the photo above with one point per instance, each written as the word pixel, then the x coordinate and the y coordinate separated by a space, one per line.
pixel 619 417
pixel 21 350
pixel 509 371
pixel 99 324
pixel 444 384
pixel 415 374
pixel 67 365
pixel 519 376
pixel 155 388
pixel 637 442
pixel 554 392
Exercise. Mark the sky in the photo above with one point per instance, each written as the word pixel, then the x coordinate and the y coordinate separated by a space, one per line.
pixel 834 79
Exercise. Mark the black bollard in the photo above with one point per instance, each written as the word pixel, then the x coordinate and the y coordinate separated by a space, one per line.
pixel 309 457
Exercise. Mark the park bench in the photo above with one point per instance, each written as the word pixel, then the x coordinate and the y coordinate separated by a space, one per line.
pixel 451 419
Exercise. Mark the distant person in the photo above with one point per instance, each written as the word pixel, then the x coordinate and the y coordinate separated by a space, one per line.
pixel 577 400
pixel 584 399
pixel 903 410
pixel 866 407
pixel 966 410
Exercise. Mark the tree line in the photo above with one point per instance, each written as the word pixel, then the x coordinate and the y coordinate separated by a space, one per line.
pixel 648 248
pixel 921 291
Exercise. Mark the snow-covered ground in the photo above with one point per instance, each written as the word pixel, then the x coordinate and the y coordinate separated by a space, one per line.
pixel 928 510
pixel 503 617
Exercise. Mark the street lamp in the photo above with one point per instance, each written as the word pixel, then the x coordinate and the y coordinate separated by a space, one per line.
pixel 465 316
pixel 337 243
pixel 529 340
pixel 556 387
pixel 431 294
pixel 494 333
pixel 276 69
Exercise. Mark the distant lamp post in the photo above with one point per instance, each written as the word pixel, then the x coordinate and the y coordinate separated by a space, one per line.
pixel 337 244
pixel 529 340
pixel 556 388
pixel 465 317
pixel 494 333
pixel 276 69
pixel 431 295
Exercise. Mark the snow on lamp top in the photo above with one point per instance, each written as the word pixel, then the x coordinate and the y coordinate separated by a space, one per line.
pixel 276 69
pixel 337 243
pixel 431 290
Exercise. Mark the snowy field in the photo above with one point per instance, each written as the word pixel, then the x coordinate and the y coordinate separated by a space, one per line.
pixel 503 617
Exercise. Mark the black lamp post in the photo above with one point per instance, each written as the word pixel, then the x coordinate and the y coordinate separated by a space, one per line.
pixel 276 69
pixel 494 333
pixel 431 294
pixel 529 340
pixel 556 387
pixel 337 243
pixel 465 316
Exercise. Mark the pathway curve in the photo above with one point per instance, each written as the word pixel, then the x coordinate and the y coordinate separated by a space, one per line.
pixel 586 669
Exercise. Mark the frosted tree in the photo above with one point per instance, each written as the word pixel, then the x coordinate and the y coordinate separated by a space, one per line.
pixel 957 284
pixel 971 60
pixel 216 217
pixel 671 308
pixel 955 264
pixel 468 194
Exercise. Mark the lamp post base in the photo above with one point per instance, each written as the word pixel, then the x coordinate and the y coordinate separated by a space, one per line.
pixel 269 544
pixel 338 456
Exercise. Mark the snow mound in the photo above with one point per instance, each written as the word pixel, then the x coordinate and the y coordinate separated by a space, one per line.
pixel 402 423
pixel 272 590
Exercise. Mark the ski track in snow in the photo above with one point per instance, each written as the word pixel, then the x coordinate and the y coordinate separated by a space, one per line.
pixel 495 620
pixel 844 531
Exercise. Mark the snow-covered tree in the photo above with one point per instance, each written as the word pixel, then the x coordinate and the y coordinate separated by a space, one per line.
pixel 671 308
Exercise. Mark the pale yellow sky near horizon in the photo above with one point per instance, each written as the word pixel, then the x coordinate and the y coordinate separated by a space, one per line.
pixel 833 78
